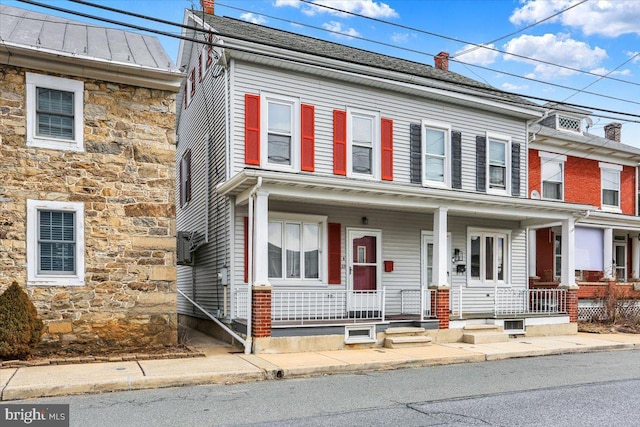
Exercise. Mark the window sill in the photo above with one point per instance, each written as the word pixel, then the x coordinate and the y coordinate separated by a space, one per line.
pixel 611 209
pixel 55 281
pixel 56 144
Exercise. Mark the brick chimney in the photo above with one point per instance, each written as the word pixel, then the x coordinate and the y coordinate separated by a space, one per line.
pixel 613 132
pixel 442 61
pixel 207 6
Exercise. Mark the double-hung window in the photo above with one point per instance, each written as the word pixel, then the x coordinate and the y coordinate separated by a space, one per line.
pixel 296 247
pixel 552 173
pixel 489 256
pixel 54 112
pixel 436 162
pixel 610 182
pixel 498 165
pixel 280 127
pixel 363 139
pixel 55 242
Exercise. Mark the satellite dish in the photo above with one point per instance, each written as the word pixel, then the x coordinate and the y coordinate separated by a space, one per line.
pixel 535 195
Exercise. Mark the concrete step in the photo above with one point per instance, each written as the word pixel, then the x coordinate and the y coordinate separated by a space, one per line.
pixel 484 337
pixel 407 341
pixel 405 330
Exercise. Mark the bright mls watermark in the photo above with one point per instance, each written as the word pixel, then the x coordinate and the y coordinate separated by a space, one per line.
pixel 34 415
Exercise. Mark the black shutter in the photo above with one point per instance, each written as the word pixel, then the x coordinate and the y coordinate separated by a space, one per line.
pixel 481 163
pixel 456 159
pixel 515 169
pixel 415 144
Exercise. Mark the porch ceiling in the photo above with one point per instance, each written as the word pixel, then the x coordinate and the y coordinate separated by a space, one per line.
pixel 338 191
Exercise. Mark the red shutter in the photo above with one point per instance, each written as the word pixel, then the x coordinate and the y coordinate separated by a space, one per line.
pixel 387 149
pixel 246 249
pixel 335 260
pixel 181 189
pixel 308 138
pixel 192 79
pixel 339 142
pixel 200 66
pixel 252 129
pixel 184 98
pixel 188 177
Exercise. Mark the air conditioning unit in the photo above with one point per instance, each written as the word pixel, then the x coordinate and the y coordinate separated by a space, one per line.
pixel 184 254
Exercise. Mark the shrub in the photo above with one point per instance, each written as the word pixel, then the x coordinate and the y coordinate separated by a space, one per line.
pixel 20 327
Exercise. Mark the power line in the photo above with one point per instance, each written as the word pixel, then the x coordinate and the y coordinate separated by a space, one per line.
pixel 486 95
pixel 406 27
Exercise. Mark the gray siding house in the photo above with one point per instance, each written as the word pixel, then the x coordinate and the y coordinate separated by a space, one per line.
pixel 328 193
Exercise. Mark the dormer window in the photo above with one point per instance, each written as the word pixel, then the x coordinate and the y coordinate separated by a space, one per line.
pixel 569 123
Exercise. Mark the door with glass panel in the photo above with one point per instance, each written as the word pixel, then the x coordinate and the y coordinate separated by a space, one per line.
pixel 620 260
pixel 363 269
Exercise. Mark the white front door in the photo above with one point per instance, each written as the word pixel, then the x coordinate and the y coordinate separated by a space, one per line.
pixel 620 260
pixel 427 257
pixel 364 272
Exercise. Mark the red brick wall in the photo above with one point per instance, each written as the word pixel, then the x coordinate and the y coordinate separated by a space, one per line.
pixel 261 312
pixel 535 178
pixel 628 190
pixel 572 305
pixel 442 308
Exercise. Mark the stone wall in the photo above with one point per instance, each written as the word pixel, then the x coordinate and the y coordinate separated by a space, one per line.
pixel 125 177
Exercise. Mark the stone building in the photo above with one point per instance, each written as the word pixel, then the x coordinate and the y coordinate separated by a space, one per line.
pixel 87 206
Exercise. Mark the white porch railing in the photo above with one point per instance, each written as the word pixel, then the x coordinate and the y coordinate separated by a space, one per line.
pixel 505 302
pixel 418 302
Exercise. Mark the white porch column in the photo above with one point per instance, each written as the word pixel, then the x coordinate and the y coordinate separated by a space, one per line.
pixel 607 253
pixel 261 239
pixel 568 275
pixel 441 253
pixel 532 253
pixel 635 256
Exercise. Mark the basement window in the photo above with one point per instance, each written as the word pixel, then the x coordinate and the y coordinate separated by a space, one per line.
pixel 360 334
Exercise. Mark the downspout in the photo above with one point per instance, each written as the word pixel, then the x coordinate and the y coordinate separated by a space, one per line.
pixel 249 267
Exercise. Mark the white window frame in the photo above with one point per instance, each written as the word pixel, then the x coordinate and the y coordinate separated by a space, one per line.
pixel 547 158
pixel 34 81
pixel 323 262
pixel 265 99
pixel 557 255
pixel 506 140
pixel 446 129
pixel 35 278
pixel 495 233
pixel 375 149
pixel 608 167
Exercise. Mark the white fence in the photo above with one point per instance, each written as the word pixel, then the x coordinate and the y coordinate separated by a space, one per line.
pixel 505 302
pixel 418 302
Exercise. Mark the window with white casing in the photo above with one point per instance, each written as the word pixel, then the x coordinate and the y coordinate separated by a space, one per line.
pixel 55 243
pixel 55 116
pixel 436 157
pixel 557 252
pixel 363 144
pixel 498 164
pixel 610 182
pixel 280 124
pixel 296 248
pixel 488 256
pixel 552 173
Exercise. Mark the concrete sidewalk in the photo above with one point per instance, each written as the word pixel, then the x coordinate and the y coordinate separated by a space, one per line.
pixel 221 367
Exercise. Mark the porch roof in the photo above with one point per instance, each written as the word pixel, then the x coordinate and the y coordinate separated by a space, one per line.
pixel 403 197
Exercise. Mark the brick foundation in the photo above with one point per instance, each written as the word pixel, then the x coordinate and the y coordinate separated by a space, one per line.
pixel 261 311
pixel 442 308
pixel 572 304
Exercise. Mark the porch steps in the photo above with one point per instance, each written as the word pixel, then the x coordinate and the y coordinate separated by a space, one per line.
pixel 483 334
pixel 406 337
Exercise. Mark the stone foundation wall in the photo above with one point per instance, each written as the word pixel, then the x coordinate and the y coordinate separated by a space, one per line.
pixel 125 177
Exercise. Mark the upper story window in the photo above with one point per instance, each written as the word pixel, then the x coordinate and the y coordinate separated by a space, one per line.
pixel 436 155
pixel 185 178
pixel 363 147
pixel 280 129
pixel 55 243
pixel 552 173
pixel 55 112
pixel 296 245
pixel 610 182
pixel 190 88
pixel 489 256
pixel 498 164
pixel 569 123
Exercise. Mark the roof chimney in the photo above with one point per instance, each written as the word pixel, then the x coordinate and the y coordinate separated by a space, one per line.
pixel 613 132
pixel 442 61
pixel 207 6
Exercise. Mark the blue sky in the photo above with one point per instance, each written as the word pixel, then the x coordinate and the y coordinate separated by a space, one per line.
pixel 596 36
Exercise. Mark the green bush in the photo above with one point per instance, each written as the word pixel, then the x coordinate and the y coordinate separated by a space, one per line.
pixel 20 327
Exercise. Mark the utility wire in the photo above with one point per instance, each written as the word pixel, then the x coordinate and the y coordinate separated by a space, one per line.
pixel 382 21
pixel 486 95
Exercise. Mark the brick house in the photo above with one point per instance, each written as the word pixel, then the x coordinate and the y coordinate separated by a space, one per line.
pixel 87 144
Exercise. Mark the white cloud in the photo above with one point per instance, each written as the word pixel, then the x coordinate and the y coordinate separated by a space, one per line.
pixel 472 54
pixel 368 8
pixel 338 31
pixel 555 49
pixel 400 37
pixel 512 87
pixel 605 72
pixel 609 18
pixel 255 19
pixel 634 55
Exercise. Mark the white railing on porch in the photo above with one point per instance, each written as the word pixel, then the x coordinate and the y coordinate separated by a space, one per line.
pixel 505 302
pixel 419 302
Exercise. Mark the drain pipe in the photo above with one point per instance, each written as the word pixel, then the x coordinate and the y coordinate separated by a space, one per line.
pixel 249 267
